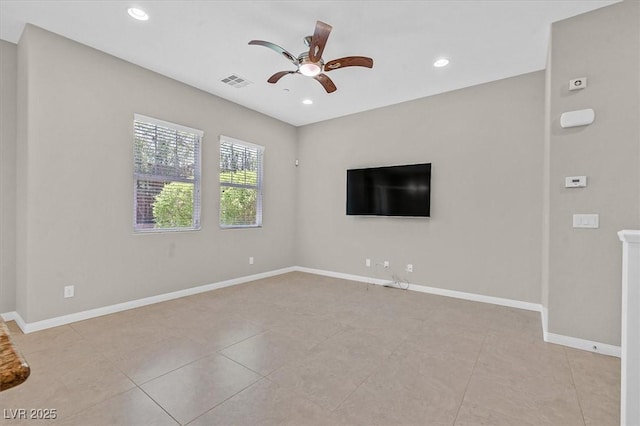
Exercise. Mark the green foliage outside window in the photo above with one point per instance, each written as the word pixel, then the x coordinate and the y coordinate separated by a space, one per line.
pixel 237 206
pixel 173 206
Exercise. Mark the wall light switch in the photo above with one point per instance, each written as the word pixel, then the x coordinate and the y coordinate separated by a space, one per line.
pixel 586 221
pixel 575 182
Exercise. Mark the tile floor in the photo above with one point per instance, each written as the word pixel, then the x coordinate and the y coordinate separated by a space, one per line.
pixel 300 349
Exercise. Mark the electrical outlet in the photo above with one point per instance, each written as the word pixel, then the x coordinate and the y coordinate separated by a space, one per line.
pixel 69 291
pixel 409 267
pixel 386 264
pixel 367 262
pixel 250 260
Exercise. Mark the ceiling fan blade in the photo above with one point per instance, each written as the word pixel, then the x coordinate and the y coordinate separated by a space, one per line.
pixel 319 40
pixel 277 76
pixel 348 61
pixel 276 48
pixel 326 83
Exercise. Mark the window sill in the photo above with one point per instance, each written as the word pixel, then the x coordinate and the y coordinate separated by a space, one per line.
pixel 240 226
pixel 164 230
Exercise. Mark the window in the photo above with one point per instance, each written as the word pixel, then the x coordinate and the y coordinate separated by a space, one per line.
pixel 240 183
pixel 166 175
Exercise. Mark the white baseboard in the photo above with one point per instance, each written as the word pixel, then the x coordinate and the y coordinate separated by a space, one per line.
pixel 585 345
pixel 431 290
pixel 342 275
pixel 572 342
pixel 10 316
pixel 106 310
pixel 544 317
pixel 14 316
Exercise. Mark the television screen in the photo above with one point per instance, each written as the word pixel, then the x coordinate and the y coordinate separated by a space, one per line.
pixel 390 191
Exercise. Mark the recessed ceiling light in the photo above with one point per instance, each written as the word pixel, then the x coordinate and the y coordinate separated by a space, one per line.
pixel 138 14
pixel 442 62
pixel 307 101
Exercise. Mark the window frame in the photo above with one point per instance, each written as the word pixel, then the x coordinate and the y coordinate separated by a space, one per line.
pixel 259 185
pixel 197 176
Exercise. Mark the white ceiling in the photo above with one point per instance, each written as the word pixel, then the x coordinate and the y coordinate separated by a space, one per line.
pixel 202 42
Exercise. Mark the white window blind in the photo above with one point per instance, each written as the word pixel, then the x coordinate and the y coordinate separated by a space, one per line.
pixel 166 175
pixel 240 183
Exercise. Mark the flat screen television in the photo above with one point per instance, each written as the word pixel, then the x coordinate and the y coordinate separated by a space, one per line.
pixel 390 191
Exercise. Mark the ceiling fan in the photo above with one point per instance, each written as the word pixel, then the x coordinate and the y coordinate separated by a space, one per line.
pixel 311 63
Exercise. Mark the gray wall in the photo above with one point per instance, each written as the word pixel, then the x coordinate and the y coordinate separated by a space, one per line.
pixel 8 81
pixel 484 236
pixel 75 221
pixel 585 264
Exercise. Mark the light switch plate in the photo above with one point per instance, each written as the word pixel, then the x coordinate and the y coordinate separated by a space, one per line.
pixel 69 291
pixel 586 221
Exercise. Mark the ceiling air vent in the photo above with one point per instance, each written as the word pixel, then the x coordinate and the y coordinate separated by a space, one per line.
pixel 235 81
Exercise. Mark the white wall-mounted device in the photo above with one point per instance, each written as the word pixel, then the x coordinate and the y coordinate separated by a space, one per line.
pixel 69 291
pixel 575 182
pixel 577 118
pixel 578 83
pixel 586 221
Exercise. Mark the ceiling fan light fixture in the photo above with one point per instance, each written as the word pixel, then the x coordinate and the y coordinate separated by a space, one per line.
pixel 307 102
pixel 310 63
pixel 442 62
pixel 310 69
pixel 138 14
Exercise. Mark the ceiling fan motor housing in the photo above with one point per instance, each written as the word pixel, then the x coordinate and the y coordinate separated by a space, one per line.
pixel 308 67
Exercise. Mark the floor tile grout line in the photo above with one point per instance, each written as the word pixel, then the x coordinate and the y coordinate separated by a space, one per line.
pixel 134 386
pixel 114 367
pixel 115 361
pixel 208 354
pixel 158 404
pixel 227 399
pixel 88 407
pixel 79 336
pixel 240 341
pixel 392 352
pixel 573 382
pixel 215 352
pixel 242 365
pixel 75 330
pixel 473 370
pixel 167 372
pixel 308 350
